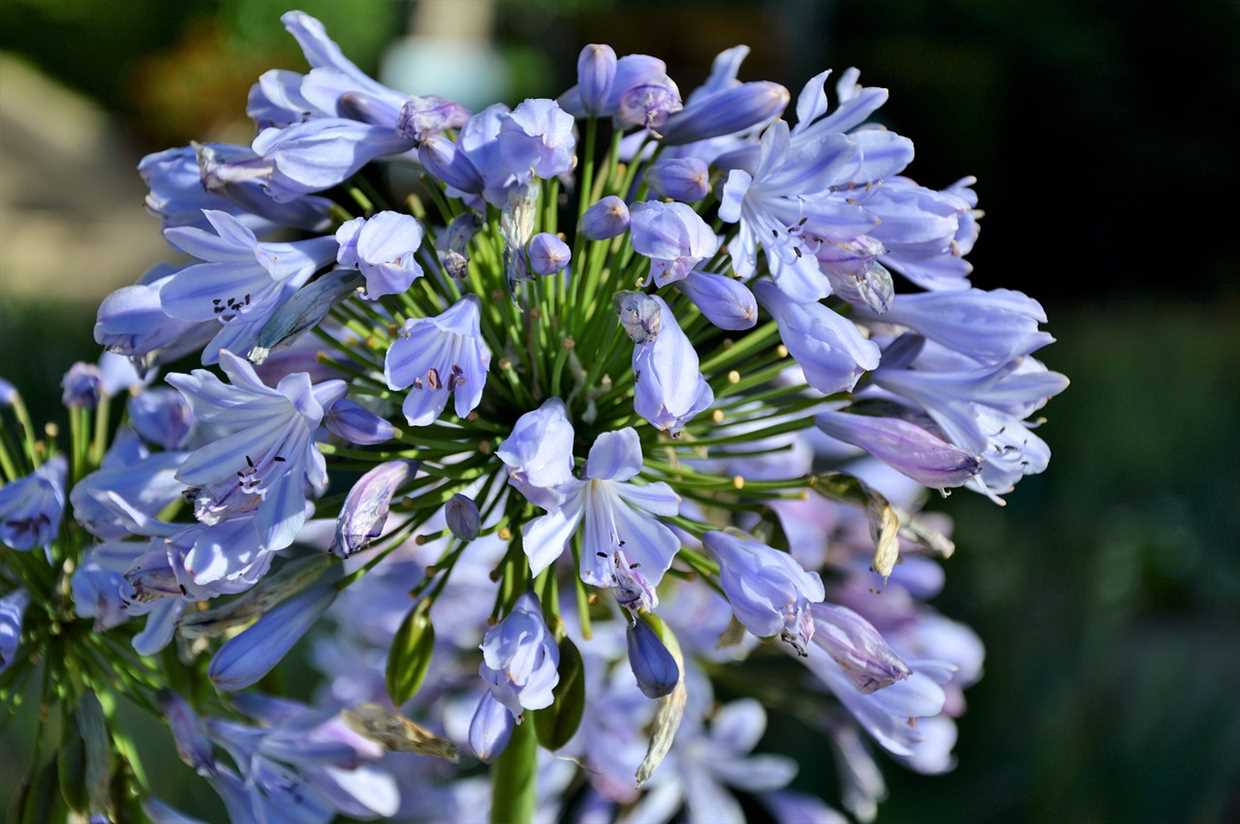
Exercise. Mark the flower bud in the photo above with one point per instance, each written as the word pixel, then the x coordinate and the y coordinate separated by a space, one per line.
pixel 490 729
pixel 357 424
pixel 904 446
pixel 245 659
pixel 83 385
pixel 865 656
pixel 547 253
pixel 446 161
pixel 452 245
pixel 8 393
pixel 769 591
pixel 726 112
pixel 596 69
pixel 161 416
pixel 725 301
pixel 680 178
pixel 305 309
pixel 366 507
pixel 673 236
pixel 654 667
pixel 409 656
pixel 640 315
pixel 188 732
pixel 605 219
pixel 461 513
pixel 12 610
pixel 539 453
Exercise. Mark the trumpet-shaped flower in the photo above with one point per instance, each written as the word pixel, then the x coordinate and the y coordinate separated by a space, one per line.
pixel 617 515
pixel 440 356
pixel 262 454
pixel 30 507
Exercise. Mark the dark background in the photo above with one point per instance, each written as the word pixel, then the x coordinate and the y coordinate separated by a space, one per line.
pixel 1102 134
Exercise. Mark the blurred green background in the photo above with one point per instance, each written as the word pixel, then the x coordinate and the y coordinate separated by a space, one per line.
pixel 1108 590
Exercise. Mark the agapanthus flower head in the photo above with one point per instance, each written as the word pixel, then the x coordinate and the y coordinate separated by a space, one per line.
pixel 639 308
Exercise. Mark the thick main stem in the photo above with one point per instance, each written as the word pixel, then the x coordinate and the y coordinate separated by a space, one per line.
pixel 514 779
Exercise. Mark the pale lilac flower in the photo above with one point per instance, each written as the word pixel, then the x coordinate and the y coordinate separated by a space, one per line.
pixel 366 507
pixel 12 609
pixel 462 517
pixel 670 388
pixel 725 112
pixel 519 659
pixel 356 424
pixel 262 454
pixel 909 448
pixel 547 254
pixel 161 416
pixel 382 247
pixel 31 506
pixel 539 453
pixel 637 92
pixel 605 219
pixel 990 327
pixel 618 515
pixel 830 348
pixel 769 591
pixel 854 643
pixel 680 178
pixel 131 321
pixel 490 728
pixel 106 501
pixel 673 236
pixel 725 301
pixel 82 385
pixel 244 659
pixel 538 135
pixel 321 153
pixel 241 282
pixel 435 357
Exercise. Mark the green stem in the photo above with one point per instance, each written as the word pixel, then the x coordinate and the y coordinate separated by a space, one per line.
pixel 514 778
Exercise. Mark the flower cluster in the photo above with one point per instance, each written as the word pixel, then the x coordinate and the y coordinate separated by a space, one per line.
pixel 537 488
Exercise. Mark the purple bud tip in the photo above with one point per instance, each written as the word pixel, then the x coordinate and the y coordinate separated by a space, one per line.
pixel 653 665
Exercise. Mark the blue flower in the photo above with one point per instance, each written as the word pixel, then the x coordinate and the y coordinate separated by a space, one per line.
pixel 547 254
pixel 161 416
pixel 653 666
pixel 865 656
pixel 769 591
pixel 725 301
pixel 910 449
pixel 241 282
pixel 131 321
pixel 383 248
pixel 520 659
pixel 539 453
pixel 670 388
pixel 30 507
pixel 617 514
pixel 12 609
pixel 605 219
pixel 356 424
pixel 262 453
pixel 637 92
pixel 366 507
pixel 680 178
pixel 435 357
pixel 111 501
pixel 829 347
pixel 726 111
pixel 673 236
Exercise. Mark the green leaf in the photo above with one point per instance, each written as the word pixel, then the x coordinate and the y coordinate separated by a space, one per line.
pixel 557 723
pixel 99 758
pixel 71 766
pixel 410 654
